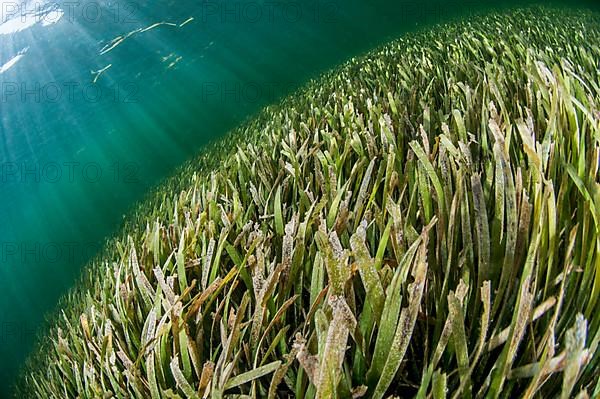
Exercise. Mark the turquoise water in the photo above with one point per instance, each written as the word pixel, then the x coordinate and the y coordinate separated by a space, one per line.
pixel 101 100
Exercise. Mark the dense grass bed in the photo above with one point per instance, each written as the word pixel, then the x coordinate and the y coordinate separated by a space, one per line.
pixel 422 221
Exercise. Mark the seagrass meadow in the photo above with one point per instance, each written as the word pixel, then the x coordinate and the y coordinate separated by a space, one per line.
pixel 422 221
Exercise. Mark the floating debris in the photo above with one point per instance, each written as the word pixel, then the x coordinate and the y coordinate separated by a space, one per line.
pixel 174 57
pixel 100 72
pixel 13 61
pixel 187 21
pixel 168 57
pixel 172 64
pixel 156 25
pixel 120 39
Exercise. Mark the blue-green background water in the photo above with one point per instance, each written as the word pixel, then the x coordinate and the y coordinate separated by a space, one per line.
pixel 76 155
